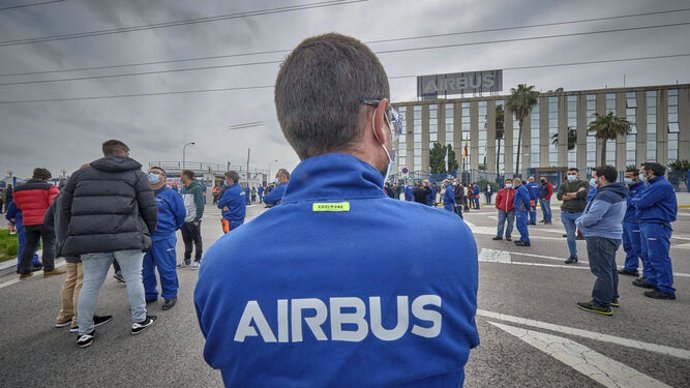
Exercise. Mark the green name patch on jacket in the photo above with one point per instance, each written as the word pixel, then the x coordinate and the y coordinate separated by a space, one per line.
pixel 331 207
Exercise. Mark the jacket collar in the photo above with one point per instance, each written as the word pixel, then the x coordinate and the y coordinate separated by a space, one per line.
pixel 332 177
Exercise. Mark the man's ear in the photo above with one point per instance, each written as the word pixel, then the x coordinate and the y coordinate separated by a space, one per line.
pixel 379 122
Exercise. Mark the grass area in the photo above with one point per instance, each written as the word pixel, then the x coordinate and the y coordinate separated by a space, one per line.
pixel 9 245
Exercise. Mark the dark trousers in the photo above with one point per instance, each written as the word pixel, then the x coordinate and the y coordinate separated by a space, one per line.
pixel 33 234
pixel 191 235
pixel 602 261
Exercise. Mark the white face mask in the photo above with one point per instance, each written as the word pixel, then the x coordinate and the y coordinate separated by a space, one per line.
pixel 643 177
pixel 592 182
pixel 509 185
pixel 390 155
pixel 572 178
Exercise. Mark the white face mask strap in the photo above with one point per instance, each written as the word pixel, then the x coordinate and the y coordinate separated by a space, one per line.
pixel 390 160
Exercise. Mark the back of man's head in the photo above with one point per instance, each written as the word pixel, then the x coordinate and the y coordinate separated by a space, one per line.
pixel 284 173
pixel 41 174
pixel 233 175
pixel 657 168
pixel 115 148
pixel 319 93
pixel 608 172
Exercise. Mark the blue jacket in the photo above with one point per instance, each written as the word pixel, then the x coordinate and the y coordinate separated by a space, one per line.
pixel 449 198
pixel 522 199
pixel 633 191
pixel 657 204
pixel 591 193
pixel 408 193
pixel 171 212
pixel 234 203
pixel 260 190
pixel 476 190
pixel 533 188
pixel 276 195
pixel 14 212
pixel 603 215
pixel 309 293
pixel 431 196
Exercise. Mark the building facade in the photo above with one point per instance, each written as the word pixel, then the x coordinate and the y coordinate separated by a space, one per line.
pixel 660 130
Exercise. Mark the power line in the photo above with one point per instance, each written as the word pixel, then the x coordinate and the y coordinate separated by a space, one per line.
pixel 378 52
pixel 237 15
pixel 368 42
pixel 271 86
pixel 30 5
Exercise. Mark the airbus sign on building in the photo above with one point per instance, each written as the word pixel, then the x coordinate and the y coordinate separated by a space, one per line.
pixel 459 83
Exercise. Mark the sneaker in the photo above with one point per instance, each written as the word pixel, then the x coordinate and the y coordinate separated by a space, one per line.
pixel 615 303
pixel 169 303
pixel 628 272
pixel 183 264
pixel 656 294
pixel 592 308
pixel 85 340
pixel 74 329
pixel 521 243
pixel 195 265
pixel 26 275
pixel 642 283
pixel 118 277
pixel 54 272
pixel 497 238
pixel 101 319
pixel 140 326
pixel 508 238
pixel 63 322
pixel 571 260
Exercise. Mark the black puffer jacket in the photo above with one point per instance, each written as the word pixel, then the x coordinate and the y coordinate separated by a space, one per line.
pixel 108 207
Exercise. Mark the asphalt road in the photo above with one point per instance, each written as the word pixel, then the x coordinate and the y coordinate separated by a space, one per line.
pixel 532 335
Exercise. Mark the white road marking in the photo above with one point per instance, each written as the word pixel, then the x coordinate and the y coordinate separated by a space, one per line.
pixel 604 370
pixel 16 279
pixel 494 256
pixel 548 265
pixel 630 343
pixel 542 256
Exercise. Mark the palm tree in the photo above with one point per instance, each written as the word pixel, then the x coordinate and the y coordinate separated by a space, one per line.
pixel 520 102
pixel 572 139
pixel 607 127
pixel 500 131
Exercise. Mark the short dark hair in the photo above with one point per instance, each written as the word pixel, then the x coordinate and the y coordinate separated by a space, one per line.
pixel 608 172
pixel 319 92
pixel 188 173
pixel 159 169
pixel 232 174
pixel 634 170
pixel 114 147
pixel 573 169
pixel 284 173
pixel 657 168
pixel 42 174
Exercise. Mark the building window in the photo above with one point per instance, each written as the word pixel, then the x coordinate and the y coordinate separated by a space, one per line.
pixel 631 138
pixel 402 141
pixel 534 136
pixel 500 145
pixel 465 134
pixel 450 123
pixel 591 101
pixel 673 126
pixel 482 133
pixel 572 125
pixel 651 125
pixel 553 130
pixel 417 138
pixel 433 124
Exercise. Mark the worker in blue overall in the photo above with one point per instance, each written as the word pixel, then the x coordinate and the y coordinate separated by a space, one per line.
pixel 276 195
pixel 448 196
pixel 657 208
pixel 260 190
pixel 232 203
pixel 631 227
pixel 522 207
pixel 533 188
pixel 409 190
pixel 335 287
pixel 162 255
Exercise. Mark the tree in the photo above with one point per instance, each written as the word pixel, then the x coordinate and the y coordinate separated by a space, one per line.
pixel 607 127
pixel 500 132
pixel 452 162
pixel 679 172
pixel 437 156
pixel 572 139
pixel 520 103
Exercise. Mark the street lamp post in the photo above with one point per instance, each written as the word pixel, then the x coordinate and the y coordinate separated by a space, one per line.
pixel 184 149
pixel 269 169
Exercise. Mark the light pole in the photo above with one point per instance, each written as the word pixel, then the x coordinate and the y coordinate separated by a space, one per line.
pixel 184 149
pixel 269 169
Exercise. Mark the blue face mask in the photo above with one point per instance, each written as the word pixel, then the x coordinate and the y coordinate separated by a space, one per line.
pixel 629 181
pixel 154 178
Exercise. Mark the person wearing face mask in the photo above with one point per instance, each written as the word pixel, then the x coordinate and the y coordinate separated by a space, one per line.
pixel 657 208
pixel 573 193
pixel 337 282
pixel 193 198
pixel 505 204
pixel 162 256
pixel 592 190
pixel 232 203
pixel 276 195
pixel 602 226
pixel 545 193
pixel 631 228
pixel 522 204
pixel 448 196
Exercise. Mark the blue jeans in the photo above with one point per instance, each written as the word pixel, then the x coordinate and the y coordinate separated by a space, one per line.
pixel 502 218
pixel 96 266
pixel 488 198
pixel 545 210
pixel 163 257
pixel 568 220
pixel 602 262
pixel 656 243
pixel 631 246
pixel 521 221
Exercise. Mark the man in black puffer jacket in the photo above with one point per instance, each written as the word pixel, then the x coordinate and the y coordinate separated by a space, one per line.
pixel 110 213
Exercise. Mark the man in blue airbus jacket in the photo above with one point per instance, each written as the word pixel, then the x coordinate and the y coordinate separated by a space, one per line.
pixel 602 226
pixel 522 206
pixel 335 287
pixel 533 188
pixel 656 208
pixel 276 195
pixel 631 227
pixel 232 203
pixel 162 256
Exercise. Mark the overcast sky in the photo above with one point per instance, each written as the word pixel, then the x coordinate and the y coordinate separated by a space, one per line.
pixel 64 134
